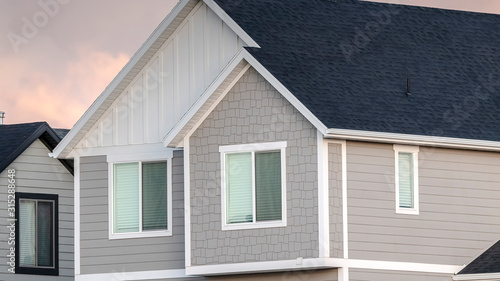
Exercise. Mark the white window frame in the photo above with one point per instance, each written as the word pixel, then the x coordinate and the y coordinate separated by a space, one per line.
pixel 414 151
pixel 256 147
pixel 140 158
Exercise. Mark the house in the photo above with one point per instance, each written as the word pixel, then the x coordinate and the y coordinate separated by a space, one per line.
pixel 298 139
pixel 36 200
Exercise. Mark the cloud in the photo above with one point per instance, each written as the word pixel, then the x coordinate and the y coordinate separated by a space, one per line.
pixel 36 95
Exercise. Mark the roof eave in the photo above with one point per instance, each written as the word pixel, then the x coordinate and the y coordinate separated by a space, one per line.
pixel 478 277
pixel 408 139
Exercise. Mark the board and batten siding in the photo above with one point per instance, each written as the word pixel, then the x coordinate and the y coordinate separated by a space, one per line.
pixel 170 83
pixel 36 172
pixel 459 199
pixel 101 255
pixel 253 112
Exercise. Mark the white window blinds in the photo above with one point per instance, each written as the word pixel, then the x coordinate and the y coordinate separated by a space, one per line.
pixel 406 188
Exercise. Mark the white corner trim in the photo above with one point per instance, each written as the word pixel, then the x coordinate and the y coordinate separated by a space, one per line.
pixel 323 197
pixel 231 23
pixel 478 277
pixel 117 80
pixel 415 140
pixel 187 204
pixel 76 201
pixel 345 226
pixel 136 275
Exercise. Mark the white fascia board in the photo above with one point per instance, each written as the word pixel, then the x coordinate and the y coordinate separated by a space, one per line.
pixel 125 150
pixel 478 277
pixel 231 23
pixel 243 54
pixel 58 150
pixel 174 274
pixel 407 139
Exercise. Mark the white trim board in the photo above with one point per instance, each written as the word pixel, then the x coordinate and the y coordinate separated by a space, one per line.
pixel 136 275
pixel 242 55
pixel 323 197
pixel 478 277
pixel 76 202
pixel 231 23
pixel 417 140
pixel 318 263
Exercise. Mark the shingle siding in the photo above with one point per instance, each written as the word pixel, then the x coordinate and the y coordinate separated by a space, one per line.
pixel 253 112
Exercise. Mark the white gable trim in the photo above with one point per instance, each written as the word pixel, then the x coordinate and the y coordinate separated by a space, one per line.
pixel 61 151
pixel 231 23
pixel 243 55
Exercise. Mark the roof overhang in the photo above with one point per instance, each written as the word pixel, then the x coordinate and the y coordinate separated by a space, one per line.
pixel 478 277
pixel 409 139
pixel 238 66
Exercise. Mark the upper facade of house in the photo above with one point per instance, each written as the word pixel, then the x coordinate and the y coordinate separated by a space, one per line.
pixel 319 140
pixel 36 200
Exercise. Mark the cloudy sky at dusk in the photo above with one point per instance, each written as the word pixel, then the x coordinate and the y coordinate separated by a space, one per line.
pixel 56 59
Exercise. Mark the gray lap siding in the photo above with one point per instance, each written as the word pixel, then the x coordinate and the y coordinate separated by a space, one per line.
pixel 101 255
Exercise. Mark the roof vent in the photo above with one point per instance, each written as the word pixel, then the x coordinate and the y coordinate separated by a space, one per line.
pixel 2 116
pixel 408 87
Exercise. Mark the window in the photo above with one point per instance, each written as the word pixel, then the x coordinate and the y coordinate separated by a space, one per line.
pixel 406 179
pixel 253 185
pixel 141 199
pixel 37 234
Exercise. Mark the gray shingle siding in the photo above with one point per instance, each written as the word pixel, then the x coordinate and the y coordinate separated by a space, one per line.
pixel 253 112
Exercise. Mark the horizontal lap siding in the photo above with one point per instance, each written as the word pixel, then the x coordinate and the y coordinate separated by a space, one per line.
pixel 374 275
pixel 36 172
pixel 101 255
pixel 459 195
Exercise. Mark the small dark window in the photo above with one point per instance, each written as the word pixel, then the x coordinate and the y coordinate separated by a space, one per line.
pixel 37 234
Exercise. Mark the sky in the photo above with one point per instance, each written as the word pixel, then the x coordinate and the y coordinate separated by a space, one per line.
pixel 57 56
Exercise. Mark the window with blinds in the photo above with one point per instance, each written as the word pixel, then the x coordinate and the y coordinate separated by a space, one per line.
pixel 253 187
pixel 406 179
pixel 36 234
pixel 140 197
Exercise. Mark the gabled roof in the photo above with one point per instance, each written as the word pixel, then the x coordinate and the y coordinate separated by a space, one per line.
pixel 348 62
pixel 16 138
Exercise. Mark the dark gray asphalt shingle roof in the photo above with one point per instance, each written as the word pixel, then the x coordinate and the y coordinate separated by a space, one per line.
pixel 348 62
pixel 488 262
pixel 16 138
